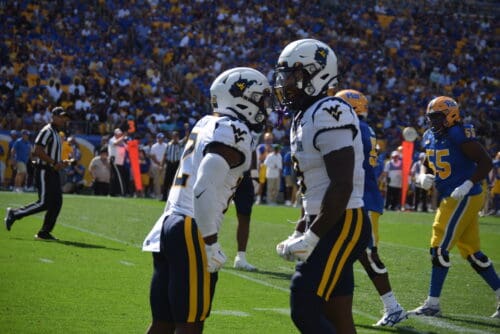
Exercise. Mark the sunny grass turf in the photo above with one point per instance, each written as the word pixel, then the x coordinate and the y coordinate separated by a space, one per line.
pixel 96 280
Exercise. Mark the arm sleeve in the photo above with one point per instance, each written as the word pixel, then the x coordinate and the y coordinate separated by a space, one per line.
pixel 211 176
pixel 333 140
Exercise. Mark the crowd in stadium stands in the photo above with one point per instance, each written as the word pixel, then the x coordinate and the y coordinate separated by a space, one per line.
pixel 152 62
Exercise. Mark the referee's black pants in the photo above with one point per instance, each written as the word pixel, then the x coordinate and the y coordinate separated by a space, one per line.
pixel 170 172
pixel 48 183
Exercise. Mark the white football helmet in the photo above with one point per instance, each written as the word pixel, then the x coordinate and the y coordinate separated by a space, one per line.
pixel 305 69
pixel 244 93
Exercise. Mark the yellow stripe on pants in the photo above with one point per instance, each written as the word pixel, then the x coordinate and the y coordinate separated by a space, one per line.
pixel 193 277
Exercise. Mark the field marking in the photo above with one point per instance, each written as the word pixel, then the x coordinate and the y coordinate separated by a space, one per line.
pixel 46 260
pixel 285 311
pixel 437 322
pixel 97 234
pixel 433 321
pixel 126 263
pixel 255 280
pixel 230 312
pixel 474 317
pixel 287 269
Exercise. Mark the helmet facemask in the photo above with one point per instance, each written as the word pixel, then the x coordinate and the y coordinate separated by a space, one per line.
pixel 442 112
pixel 263 102
pixel 305 70
pixel 292 87
pixel 437 122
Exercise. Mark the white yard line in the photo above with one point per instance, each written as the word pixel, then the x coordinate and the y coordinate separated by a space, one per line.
pixel 441 323
pixel 97 234
pixel 126 263
pixel 231 312
pixel 255 280
pixel 46 260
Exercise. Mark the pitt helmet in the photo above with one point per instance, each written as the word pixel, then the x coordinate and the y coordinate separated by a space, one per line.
pixel 356 99
pixel 244 93
pixel 305 70
pixel 442 112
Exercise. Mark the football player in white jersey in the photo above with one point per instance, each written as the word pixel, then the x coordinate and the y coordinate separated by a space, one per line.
pixel 327 153
pixel 186 253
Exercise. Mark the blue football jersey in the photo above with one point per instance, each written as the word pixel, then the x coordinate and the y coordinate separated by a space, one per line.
pixel 371 197
pixel 449 163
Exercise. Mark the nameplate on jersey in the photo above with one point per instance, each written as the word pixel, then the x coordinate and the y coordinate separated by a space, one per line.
pixel 239 135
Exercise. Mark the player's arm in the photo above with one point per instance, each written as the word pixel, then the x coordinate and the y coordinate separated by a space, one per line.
pixel 214 167
pixel 477 153
pixel 473 150
pixel 213 170
pixel 339 158
pixel 340 168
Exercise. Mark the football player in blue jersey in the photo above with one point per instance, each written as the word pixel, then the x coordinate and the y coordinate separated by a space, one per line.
pixel 327 153
pixel 459 163
pixel 374 205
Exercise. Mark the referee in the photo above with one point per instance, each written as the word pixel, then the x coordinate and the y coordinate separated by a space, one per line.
pixel 47 167
pixel 172 159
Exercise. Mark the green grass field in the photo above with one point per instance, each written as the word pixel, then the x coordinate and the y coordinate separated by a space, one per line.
pixel 96 279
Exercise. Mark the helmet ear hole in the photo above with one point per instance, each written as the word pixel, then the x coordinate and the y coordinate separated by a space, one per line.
pixel 241 106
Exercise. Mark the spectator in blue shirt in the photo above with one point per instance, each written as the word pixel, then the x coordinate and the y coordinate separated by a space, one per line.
pixel 21 152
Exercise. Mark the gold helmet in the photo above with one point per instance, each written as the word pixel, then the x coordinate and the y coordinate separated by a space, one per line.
pixel 442 112
pixel 356 99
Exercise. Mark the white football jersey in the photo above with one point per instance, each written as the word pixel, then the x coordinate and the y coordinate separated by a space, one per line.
pixel 329 124
pixel 209 129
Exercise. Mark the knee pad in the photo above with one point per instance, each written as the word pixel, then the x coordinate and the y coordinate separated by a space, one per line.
pixel 440 257
pixel 376 267
pixel 479 261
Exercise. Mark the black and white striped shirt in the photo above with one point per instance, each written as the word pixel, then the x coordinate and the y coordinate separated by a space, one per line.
pixel 173 151
pixel 49 138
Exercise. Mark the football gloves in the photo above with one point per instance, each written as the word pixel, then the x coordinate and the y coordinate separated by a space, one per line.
pixel 215 257
pixel 300 248
pixel 426 181
pixel 280 248
pixel 461 191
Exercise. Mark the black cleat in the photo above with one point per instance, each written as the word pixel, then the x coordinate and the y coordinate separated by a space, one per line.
pixel 9 219
pixel 45 236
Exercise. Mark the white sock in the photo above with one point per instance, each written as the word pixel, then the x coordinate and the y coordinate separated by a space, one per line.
pixel 434 301
pixel 389 300
pixel 241 255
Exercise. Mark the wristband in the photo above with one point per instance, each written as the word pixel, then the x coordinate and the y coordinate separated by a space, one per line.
pixel 311 238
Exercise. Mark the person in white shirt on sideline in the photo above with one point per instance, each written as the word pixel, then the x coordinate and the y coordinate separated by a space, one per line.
pixel 393 174
pixel 157 171
pixel 274 166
